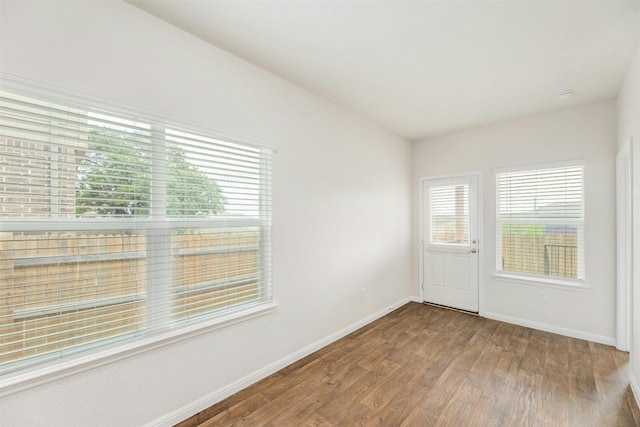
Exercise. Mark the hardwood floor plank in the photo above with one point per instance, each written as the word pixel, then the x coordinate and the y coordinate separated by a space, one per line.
pixel 387 391
pixel 316 421
pixel 503 334
pixel 534 358
pixel 486 330
pixel 429 366
pixel 295 391
pixel 508 363
pixel 523 402
pixel 581 413
pixel 355 415
pixel 581 375
pixel 497 409
pixel 335 409
pixel 486 412
pixel 307 409
pixel 238 411
pixel 461 407
pixel 486 360
pixel 286 382
pixel 630 407
pixel 376 356
pixel 404 401
pixel 553 406
pixel 437 398
pixel 419 417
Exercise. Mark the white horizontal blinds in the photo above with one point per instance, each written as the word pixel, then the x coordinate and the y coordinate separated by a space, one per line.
pixel 112 227
pixel 233 176
pixel 115 171
pixel 64 290
pixel 541 194
pixel 62 161
pixel 215 269
pixel 449 208
pixel 541 222
pixel 230 258
pixel 60 288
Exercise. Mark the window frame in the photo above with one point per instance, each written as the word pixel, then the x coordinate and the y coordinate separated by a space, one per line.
pixel 578 283
pixel 107 352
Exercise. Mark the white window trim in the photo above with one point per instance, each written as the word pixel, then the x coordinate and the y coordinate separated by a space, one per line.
pixel 16 381
pixel 550 282
pixel 530 279
pixel 21 380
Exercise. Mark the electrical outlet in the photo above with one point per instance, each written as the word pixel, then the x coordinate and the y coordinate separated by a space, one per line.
pixel 543 296
pixel 363 293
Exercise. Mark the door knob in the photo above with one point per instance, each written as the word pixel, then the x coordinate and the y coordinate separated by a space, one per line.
pixel 473 251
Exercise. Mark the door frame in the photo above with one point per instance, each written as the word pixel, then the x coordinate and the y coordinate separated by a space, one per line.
pixel 624 225
pixel 480 225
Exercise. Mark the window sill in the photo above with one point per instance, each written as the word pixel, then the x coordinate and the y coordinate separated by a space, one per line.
pixel 551 282
pixel 19 381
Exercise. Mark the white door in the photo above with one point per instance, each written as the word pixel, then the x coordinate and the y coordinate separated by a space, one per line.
pixel 450 242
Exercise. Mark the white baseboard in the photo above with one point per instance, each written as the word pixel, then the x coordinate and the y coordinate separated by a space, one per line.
pixel 216 396
pixel 551 328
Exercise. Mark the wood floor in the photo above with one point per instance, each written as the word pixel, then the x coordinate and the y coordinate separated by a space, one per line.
pixel 427 366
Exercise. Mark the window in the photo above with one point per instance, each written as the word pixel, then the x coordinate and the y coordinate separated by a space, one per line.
pixel 449 210
pixel 113 228
pixel 540 223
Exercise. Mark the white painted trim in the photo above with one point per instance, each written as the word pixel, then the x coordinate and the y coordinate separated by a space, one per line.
pixel 216 396
pixel 552 328
pixel 20 381
pixel 421 246
pixel 547 281
pixel 635 388
pixel 481 246
pixel 624 223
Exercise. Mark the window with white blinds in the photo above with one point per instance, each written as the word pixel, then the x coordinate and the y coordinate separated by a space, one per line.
pixel 449 210
pixel 113 227
pixel 540 230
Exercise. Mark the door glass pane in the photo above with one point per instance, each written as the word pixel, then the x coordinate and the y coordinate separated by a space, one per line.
pixel 449 214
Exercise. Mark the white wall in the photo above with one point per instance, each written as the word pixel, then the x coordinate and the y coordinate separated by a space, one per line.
pixel 587 133
pixel 341 190
pixel 629 127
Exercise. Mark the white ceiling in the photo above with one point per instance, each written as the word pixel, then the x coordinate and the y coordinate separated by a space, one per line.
pixel 421 68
